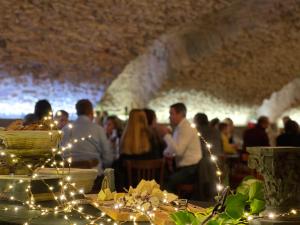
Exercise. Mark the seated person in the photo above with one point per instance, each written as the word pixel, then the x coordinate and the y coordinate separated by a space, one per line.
pixel 137 141
pixel 62 117
pixel 225 136
pixel 94 152
pixel 184 145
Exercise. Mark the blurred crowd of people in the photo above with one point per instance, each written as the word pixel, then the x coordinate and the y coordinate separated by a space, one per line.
pixel 141 137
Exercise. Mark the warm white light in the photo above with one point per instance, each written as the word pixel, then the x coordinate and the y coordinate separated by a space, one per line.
pixel 250 218
pixel 213 158
pixel 70 125
pixel 193 125
pixel 219 187
pixel 271 215
pixel 293 211
pixel 219 173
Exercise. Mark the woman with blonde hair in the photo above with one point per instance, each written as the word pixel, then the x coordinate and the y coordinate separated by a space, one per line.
pixel 137 143
pixel 137 140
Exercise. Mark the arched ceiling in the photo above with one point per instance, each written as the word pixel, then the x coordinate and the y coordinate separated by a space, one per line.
pixel 228 63
pixel 87 40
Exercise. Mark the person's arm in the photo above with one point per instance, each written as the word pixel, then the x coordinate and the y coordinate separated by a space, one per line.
pixel 106 153
pixel 178 144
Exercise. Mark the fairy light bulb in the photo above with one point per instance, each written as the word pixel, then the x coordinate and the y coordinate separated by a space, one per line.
pixel 213 158
pixel 249 218
pixel 219 173
pixel 70 126
pixel 219 187
pixel 271 215
pixel 293 211
pixel 193 125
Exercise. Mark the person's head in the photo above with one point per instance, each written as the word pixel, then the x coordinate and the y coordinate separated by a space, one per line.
pixel 214 123
pixel 263 122
pixel 113 123
pixel 151 117
pixel 177 113
pixel 230 124
pixel 291 127
pixel 62 117
pixel 285 119
pixel 85 108
pixel 200 119
pixel 42 109
pixel 224 129
pixel 136 139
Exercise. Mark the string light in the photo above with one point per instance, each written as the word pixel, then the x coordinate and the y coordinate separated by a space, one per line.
pixel 66 205
pixel 271 215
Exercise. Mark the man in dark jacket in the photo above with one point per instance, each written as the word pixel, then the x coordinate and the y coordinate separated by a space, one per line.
pixel 257 136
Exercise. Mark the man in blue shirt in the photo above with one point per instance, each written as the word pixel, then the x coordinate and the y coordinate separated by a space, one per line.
pixel 93 152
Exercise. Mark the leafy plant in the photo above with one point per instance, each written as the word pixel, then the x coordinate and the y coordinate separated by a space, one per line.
pixel 248 199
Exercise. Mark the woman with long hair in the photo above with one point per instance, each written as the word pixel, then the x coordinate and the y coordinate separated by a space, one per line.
pixel 136 142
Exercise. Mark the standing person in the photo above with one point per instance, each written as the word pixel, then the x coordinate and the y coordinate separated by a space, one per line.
pixel 94 152
pixel 113 128
pixel 184 145
pixel 62 117
pixel 207 178
pixel 257 136
pixel 291 135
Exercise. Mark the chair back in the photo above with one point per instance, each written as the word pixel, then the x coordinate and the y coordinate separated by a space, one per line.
pixel 145 169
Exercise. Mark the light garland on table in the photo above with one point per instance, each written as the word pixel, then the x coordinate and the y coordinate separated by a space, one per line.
pixel 65 200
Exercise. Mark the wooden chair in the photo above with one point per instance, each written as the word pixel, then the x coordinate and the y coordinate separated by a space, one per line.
pixel 145 169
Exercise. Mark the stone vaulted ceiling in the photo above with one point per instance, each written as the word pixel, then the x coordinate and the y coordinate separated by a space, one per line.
pixel 92 39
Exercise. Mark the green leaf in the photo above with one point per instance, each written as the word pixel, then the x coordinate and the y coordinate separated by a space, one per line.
pixel 183 218
pixel 248 178
pixel 223 218
pixel 257 206
pixel 235 205
pixel 256 191
pixel 243 189
pixel 213 222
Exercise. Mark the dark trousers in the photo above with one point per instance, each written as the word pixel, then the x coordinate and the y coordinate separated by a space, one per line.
pixel 182 175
